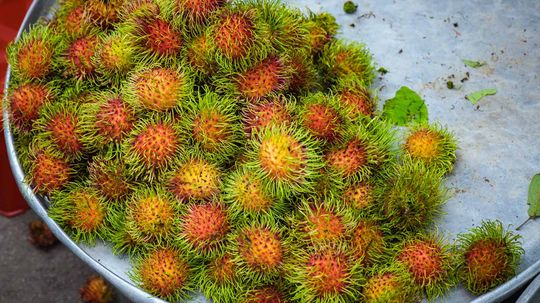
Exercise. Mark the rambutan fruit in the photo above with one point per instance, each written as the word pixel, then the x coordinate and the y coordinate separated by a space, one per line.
pixel 96 290
pixel 40 235
pixel 81 211
pixel 235 33
pixel 342 60
pixel 320 222
pixel 489 255
pixel 199 55
pixel 115 57
pixel 430 263
pixel 72 20
pixel 214 126
pixel 265 294
pixel 218 279
pixel 107 120
pixel 360 150
pixel 77 59
pixel 194 179
pixel 32 57
pixel 152 216
pixel 368 242
pixel 390 284
pixel 260 251
pixel 322 116
pixel 205 226
pixel 158 88
pixel 260 80
pixel 326 274
pixel 48 172
pixel 198 12
pixel 304 74
pixel 287 159
pixel 411 195
pixel 321 28
pixel 108 174
pixel 274 111
pixel 25 102
pixel 123 242
pixel 359 196
pixel 135 9
pixel 104 14
pixel 164 272
pixel 60 128
pixel 247 198
pixel 152 146
pixel 433 145
pixel 356 98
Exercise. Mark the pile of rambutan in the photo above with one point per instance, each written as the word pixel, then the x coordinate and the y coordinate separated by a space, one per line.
pixel 236 148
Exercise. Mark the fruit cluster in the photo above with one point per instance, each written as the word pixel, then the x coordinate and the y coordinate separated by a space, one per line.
pixel 236 148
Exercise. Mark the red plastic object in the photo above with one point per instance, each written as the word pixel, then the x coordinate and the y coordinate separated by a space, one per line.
pixel 12 13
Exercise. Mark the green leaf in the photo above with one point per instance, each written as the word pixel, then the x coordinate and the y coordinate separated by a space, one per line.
pixel 473 64
pixel 406 107
pixel 534 196
pixel 476 96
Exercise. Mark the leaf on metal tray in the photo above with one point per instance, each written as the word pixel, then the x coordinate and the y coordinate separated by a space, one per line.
pixel 533 199
pixel 406 107
pixel 472 63
pixel 476 96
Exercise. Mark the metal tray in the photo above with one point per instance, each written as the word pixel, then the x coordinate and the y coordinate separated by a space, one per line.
pixel 422 43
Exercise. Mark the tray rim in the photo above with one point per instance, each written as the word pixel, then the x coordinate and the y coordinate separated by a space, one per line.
pixel 129 290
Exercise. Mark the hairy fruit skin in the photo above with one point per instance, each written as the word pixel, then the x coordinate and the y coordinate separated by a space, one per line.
pixel 78 57
pixel 164 272
pixel 262 79
pixel 40 235
pixel 219 280
pixel 390 284
pixel 488 256
pixel 195 179
pixel 108 175
pixel 25 103
pixel 205 226
pixel 49 173
pixel 96 290
pixel 267 294
pixel 276 111
pixel 368 242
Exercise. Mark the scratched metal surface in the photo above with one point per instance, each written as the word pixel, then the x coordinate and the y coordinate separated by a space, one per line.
pixel 422 43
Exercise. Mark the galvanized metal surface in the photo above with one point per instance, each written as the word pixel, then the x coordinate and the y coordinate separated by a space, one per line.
pixel 422 43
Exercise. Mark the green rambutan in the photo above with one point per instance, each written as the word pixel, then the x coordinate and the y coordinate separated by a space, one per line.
pixel 247 198
pixel 164 272
pixel 327 274
pixel 123 242
pixel 489 255
pixel 342 61
pixel 321 28
pixel 265 294
pixel 205 226
pixel 48 172
pixel 152 146
pixel 275 111
pixel 260 80
pixel 33 56
pixel 260 251
pixel 287 158
pixel 361 149
pixel 214 126
pixel 108 174
pixel 356 98
pixel 411 195
pixel 368 242
pixel 429 261
pixel 218 279
pixel 194 179
pixel 96 290
pixel 432 145
pixel 60 128
pixel 390 284
pixel 152 216
pixel 115 57
pixel 81 211
pixel 40 235
pixel 25 102
pixel 158 88
pixel 108 120
pixel 322 116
